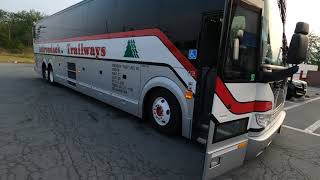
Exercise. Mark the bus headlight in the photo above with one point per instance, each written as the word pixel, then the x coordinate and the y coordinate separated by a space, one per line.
pixel 264 120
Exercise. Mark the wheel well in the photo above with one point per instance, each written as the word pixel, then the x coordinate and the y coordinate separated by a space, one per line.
pixel 147 97
pixel 49 66
pixel 44 66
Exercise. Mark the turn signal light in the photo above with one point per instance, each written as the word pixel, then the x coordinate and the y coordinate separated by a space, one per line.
pixel 242 145
pixel 188 94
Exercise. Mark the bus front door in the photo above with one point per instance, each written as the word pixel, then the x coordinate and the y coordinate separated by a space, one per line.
pixel 225 138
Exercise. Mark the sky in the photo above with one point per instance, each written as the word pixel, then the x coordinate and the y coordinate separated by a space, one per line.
pixel 48 7
pixel 306 10
pixel 303 10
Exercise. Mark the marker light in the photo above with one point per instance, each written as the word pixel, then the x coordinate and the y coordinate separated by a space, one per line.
pixel 188 94
pixel 242 145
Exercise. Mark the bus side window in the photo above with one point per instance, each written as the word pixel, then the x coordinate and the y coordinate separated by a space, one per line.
pixel 210 40
pixel 185 46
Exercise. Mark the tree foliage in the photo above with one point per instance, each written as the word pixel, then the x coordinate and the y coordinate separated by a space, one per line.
pixel 314 49
pixel 16 29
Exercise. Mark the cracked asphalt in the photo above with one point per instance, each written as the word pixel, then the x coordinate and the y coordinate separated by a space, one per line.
pixel 292 156
pixel 55 133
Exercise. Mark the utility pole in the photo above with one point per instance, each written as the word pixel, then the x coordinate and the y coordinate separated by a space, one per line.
pixel 283 12
pixel 8 20
pixel 9 31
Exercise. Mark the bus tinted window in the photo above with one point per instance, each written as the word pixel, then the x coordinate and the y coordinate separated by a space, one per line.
pixel 243 46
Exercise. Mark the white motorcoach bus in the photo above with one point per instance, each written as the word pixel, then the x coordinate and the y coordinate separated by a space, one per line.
pixel 209 70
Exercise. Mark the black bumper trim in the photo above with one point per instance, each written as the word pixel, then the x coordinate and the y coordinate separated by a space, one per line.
pixel 255 130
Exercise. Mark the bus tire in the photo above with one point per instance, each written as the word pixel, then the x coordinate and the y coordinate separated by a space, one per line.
pixel 44 72
pixel 163 109
pixel 50 75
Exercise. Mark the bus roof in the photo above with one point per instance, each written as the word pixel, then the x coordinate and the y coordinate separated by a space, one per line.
pixel 81 3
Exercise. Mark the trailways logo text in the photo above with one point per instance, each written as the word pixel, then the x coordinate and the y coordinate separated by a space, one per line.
pixel 87 50
pixel 50 50
pixel 80 50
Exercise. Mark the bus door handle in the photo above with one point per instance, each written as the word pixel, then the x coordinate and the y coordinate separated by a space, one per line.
pixel 100 72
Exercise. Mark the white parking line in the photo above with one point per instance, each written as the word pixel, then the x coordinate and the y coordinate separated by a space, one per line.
pixel 301 104
pixel 313 127
pixel 300 130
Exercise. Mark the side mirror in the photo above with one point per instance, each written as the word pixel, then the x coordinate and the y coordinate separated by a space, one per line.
pixel 297 53
pixel 236 45
pixel 239 22
pixel 236 49
pixel 266 77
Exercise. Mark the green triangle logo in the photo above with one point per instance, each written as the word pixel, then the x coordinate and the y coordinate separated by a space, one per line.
pixel 131 51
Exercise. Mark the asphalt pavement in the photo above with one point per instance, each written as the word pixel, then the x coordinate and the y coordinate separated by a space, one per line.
pixel 292 156
pixel 55 133
pixel 310 115
pixel 295 153
pixel 304 113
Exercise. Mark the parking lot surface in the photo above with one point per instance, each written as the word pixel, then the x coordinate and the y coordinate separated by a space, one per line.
pixel 303 114
pixel 295 153
pixel 55 133
pixel 292 156
pixel 303 120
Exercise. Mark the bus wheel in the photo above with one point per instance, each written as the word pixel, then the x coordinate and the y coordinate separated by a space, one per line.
pixel 44 72
pixel 50 76
pixel 164 111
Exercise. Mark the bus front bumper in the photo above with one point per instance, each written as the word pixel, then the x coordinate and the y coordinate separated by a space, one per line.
pixel 257 144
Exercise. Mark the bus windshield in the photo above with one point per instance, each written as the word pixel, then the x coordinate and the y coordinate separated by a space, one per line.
pixel 255 37
pixel 272 31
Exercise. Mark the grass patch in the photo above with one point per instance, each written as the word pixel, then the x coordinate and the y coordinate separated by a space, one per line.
pixel 15 59
pixel 26 57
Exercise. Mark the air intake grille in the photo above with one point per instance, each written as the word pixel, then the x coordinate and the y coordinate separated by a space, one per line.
pixel 279 92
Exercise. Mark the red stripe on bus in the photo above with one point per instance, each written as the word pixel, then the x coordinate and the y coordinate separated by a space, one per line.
pixel 139 33
pixel 237 107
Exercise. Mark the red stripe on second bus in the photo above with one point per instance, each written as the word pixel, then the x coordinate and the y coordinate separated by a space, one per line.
pixel 237 107
pixel 139 33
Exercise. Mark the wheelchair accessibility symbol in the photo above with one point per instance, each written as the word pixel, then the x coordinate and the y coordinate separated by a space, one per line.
pixel 193 54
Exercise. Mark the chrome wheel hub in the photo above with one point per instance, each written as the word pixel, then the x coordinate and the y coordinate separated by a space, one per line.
pixel 161 111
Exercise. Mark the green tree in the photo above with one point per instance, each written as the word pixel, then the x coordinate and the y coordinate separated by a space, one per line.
pixel 16 29
pixel 5 30
pixel 313 56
